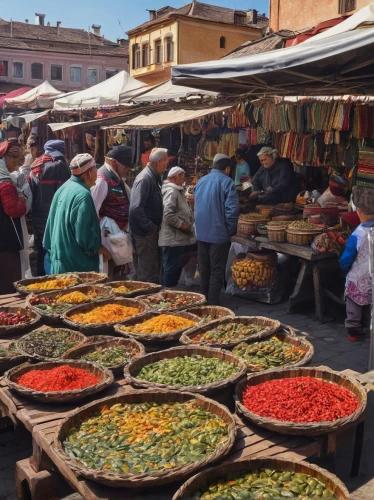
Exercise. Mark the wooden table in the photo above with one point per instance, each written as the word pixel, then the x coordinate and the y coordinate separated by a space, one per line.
pixel 312 263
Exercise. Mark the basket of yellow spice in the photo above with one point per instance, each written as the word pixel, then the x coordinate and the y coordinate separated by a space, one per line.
pixel 99 317
pixel 47 283
pixel 52 305
pixel 133 288
pixel 153 327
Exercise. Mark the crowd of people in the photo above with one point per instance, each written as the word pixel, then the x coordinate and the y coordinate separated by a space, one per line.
pixel 80 213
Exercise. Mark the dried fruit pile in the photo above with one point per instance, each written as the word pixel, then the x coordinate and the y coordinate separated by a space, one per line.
pixel 162 302
pixel 268 354
pixel 187 370
pixel 300 399
pixel 12 319
pixel 64 301
pixel 49 343
pixel 254 273
pixel 60 379
pixel 146 437
pixel 261 484
pixel 165 323
pixel 111 356
pixel 54 284
pixel 109 313
pixel 227 333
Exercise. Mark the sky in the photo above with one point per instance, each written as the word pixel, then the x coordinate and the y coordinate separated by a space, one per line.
pixel 115 17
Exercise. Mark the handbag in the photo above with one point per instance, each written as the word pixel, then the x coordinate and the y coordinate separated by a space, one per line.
pixel 116 241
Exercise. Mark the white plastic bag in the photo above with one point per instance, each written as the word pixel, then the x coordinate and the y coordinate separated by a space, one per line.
pixel 117 242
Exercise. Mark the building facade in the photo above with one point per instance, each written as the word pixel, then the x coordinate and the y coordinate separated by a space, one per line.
pixel 70 59
pixel 291 15
pixel 196 32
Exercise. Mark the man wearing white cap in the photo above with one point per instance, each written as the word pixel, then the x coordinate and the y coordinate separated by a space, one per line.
pixel 216 219
pixel 176 228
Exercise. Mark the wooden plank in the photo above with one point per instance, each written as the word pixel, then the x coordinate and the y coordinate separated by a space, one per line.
pixel 295 250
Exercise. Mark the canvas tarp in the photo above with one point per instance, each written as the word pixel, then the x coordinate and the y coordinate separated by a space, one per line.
pixel 167 91
pixel 107 93
pixel 38 97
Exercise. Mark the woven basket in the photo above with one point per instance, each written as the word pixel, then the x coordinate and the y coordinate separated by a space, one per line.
pixel 137 288
pixel 5 331
pixel 152 338
pixel 249 228
pixel 21 286
pixel 96 339
pixel 97 328
pixel 305 428
pixel 295 341
pixel 195 300
pixel 276 233
pixel 25 351
pixel 271 325
pixel 8 362
pixel 216 312
pixel 79 351
pixel 92 278
pixel 12 375
pixel 301 238
pixel 133 369
pixel 287 330
pixel 265 210
pixel 50 317
pixel 262 230
pixel 144 480
pixel 204 479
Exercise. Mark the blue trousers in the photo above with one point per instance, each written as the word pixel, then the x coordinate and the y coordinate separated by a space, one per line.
pixel 170 260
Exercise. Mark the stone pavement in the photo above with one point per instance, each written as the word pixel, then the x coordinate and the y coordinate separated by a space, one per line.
pixel 332 349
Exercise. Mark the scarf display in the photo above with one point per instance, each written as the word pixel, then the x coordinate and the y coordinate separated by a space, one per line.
pixel 365 168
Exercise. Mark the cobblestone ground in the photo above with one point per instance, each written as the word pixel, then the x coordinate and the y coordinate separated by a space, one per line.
pixel 332 349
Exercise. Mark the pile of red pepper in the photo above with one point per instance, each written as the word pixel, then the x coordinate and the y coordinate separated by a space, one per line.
pixel 300 399
pixel 60 379
pixel 8 319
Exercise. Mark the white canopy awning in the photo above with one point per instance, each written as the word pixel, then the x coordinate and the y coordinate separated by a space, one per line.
pixel 38 97
pixel 167 91
pixel 106 93
pixel 27 117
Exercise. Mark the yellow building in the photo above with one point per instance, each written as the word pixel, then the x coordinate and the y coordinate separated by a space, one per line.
pixel 196 32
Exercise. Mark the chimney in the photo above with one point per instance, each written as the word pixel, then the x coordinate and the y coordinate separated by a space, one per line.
pixel 254 16
pixel 58 24
pixel 96 29
pixel 39 19
pixel 152 14
pixel 26 21
pixel 122 41
pixel 48 23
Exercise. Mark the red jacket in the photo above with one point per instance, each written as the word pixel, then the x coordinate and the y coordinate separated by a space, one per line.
pixel 13 206
pixel 11 209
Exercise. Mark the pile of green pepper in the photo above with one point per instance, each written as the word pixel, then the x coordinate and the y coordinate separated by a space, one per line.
pixel 51 343
pixel 265 484
pixel 146 437
pixel 111 356
pixel 227 333
pixel 187 370
pixel 268 354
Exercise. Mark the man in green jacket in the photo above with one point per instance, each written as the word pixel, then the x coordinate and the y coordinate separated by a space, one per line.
pixel 72 239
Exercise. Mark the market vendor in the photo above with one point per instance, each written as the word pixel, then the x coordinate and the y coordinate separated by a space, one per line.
pixel 242 168
pixel 276 180
pixel 149 143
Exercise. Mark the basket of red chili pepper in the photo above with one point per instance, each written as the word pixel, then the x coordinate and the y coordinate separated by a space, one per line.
pixel 16 320
pixel 300 401
pixel 59 381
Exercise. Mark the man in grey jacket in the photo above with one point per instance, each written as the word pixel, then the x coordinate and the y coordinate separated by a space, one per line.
pixel 145 217
pixel 176 229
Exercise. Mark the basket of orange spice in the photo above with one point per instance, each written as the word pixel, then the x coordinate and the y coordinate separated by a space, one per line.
pixel 51 283
pixel 101 316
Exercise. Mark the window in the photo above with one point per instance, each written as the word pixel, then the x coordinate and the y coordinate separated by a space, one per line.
pixel 346 6
pixel 135 56
pixel 56 72
pixel 17 70
pixel 168 49
pixel 145 54
pixel 75 74
pixel 37 71
pixel 3 68
pixel 222 42
pixel 93 76
pixel 158 52
pixel 110 72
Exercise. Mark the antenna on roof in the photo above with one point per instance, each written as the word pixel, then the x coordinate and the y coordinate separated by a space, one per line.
pixel 119 22
pixel 11 28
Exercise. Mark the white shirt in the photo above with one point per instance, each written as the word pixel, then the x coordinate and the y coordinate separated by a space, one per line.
pixel 100 190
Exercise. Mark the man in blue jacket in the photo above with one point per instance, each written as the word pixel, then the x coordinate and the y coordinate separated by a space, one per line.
pixel 216 219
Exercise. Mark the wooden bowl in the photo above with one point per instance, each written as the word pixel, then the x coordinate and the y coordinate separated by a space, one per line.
pixel 21 286
pixel 7 330
pixel 136 288
pixel 194 299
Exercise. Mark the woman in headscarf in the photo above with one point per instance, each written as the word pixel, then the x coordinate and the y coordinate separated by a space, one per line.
pixel 276 181
pixel 12 207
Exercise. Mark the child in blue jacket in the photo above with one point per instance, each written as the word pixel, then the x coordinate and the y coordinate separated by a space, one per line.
pixel 355 263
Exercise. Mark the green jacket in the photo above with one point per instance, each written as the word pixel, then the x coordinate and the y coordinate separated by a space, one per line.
pixel 72 236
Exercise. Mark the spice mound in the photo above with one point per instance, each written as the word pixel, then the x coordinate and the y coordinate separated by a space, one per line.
pixel 123 289
pixel 187 370
pixel 146 437
pixel 300 399
pixel 12 319
pixel 268 354
pixel 264 483
pixel 55 284
pixel 178 301
pixel 63 301
pixel 165 323
pixel 252 217
pixel 111 356
pixel 109 313
pixel 51 343
pixel 227 332
pixel 59 379
pixel 299 224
